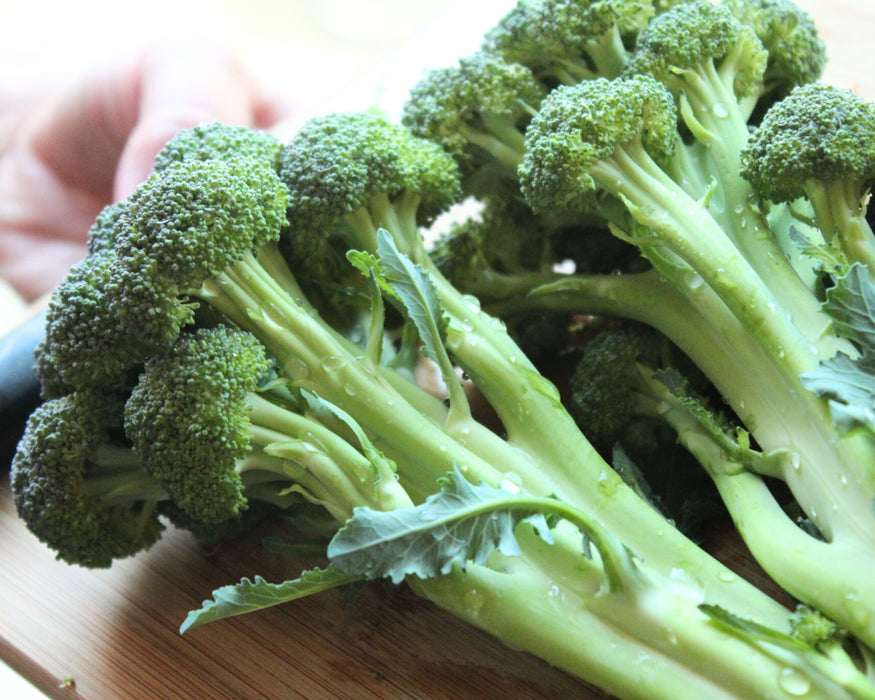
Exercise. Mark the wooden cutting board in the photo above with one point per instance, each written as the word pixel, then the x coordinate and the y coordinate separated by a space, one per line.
pixel 113 635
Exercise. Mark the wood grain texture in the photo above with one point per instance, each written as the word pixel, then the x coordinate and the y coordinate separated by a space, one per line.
pixel 115 632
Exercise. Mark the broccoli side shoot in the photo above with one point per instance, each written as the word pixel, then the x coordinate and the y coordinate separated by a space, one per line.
pixel 713 63
pixel 796 53
pixel 478 111
pixel 817 144
pixel 88 345
pixel 566 41
pixel 77 490
pixel 189 420
pixel 586 135
pixel 350 174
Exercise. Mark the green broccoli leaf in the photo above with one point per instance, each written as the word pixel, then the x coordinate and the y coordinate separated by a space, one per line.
pixel 849 382
pixel 461 523
pixel 415 290
pixel 249 596
pixel 851 306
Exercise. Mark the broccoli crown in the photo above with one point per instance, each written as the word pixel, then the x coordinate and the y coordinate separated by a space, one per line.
pixel 102 234
pixel 50 471
pixel 581 125
pixel 817 132
pixel 602 401
pixel 450 103
pixel 796 53
pixel 198 217
pixel 87 344
pixel 219 141
pixel 188 420
pixel 551 35
pixel 506 238
pixel 338 164
pixel 690 36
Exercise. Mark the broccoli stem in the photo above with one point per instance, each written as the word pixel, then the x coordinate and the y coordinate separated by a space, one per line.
pixel 608 53
pixel 680 224
pixel 838 211
pixel 781 414
pixel 724 134
pixel 832 576
pixel 652 640
pixel 540 427
pixel 508 155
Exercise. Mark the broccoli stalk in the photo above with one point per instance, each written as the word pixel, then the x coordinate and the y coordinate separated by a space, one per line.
pixel 544 450
pixel 202 244
pixel 734 328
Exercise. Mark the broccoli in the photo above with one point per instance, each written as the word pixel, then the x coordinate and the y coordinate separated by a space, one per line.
pixel 79 490
pixel 478 111
pixel 217 140
pixel 796 53
pixel 566 41
pixel 206 427
pixel 212 304
pixel 816 144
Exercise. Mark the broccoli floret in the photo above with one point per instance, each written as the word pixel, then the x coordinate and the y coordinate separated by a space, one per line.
pixel 222 141
pixel 714 65
pixel 566 41
pixel 817 144
pixel 190 408
pixel 208 428
pixel 584 135
pixel 87 344
pixel 796 53
pixel 350 174
pixel 477 110
pixel 102 233
pixel 79 492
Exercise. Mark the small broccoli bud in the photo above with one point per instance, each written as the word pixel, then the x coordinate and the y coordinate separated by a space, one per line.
pixel 477 110
pixel 87 501
pixel 796 53
pixel 602 398
pixel 188 419
pixel 219 141
pixel 566 41
pixel 813 627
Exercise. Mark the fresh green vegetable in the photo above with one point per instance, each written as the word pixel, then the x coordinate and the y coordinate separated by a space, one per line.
pixel 246 329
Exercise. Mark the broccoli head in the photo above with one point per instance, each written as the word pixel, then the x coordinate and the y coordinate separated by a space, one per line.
pixel 566 41
pixel 796 53
pixel 583 126
pixel 817 143
pixel 87 501
pixel 351 173
pixel 477 110
pixel 818 133
pixel 188 418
